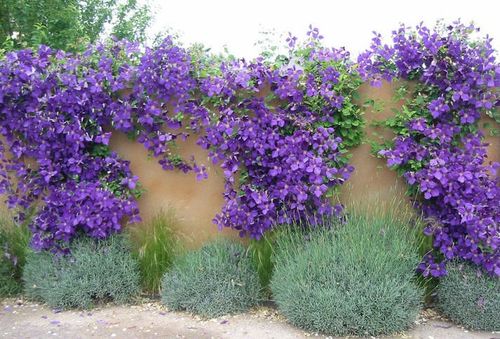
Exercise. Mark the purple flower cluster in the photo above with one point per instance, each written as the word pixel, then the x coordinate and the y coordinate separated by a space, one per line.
pixel 79 207
pixel 161 106
pixel 271 176
pixel 440 150
pixel 53 111
pixel 280 152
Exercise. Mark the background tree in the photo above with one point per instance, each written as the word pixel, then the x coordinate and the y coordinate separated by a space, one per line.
pixel 70 24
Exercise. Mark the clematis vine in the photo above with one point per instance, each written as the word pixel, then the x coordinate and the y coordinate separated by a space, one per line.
pixel 57 113
pixel 283 153
pixel 438 147
pixel 54 110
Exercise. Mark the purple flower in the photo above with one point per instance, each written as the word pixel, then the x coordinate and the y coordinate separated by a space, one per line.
pixel 438 107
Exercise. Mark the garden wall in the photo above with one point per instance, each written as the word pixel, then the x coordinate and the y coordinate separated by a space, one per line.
pixel 197 202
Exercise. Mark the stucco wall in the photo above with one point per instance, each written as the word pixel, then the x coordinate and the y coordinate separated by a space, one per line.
pixel 197 202
pixel 372 180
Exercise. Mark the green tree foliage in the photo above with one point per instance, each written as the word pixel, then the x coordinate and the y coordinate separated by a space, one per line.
pixel 70 24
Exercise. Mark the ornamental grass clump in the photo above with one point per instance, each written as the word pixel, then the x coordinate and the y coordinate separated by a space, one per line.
pixel 155 246
pixel 14 245
pixel 218 279
pixel 356 278
pixel 95 271
pixel 470 297
pixel 261 251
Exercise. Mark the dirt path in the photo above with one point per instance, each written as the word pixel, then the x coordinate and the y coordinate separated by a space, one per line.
pixel 22 319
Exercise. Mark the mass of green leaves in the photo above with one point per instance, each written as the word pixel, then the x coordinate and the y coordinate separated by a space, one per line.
pixel 70 24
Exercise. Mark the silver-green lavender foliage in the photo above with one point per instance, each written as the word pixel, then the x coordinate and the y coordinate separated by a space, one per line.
pixel 96 271
pixel 218 279
pixel 470 297
pixel 351 279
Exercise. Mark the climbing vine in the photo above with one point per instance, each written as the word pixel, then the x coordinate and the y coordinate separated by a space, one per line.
pixel 284 151
pixel 453 79
pixel 279 128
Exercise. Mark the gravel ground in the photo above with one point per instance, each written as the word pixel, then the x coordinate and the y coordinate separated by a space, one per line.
pixel 23 319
